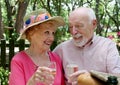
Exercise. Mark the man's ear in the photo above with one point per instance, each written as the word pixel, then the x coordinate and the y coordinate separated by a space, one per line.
pixel 95 22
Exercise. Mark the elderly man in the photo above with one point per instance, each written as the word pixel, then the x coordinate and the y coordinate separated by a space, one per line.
pixel 87 50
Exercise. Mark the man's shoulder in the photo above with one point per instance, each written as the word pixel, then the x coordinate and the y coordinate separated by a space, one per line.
pixel 103 39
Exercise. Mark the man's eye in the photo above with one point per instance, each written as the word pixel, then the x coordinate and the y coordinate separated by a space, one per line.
pixel 77 26
pixel 81 25
pixel 70 26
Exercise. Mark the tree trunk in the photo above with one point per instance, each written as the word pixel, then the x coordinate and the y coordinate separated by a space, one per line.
pixel 20 15
pixel 1 27
pixel 98 29
pixel 9 17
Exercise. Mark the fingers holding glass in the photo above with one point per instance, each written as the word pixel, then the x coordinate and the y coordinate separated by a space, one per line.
pixel 46 74
pixel 52 66
pixel 43 75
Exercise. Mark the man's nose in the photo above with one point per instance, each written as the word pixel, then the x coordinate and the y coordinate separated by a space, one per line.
pixel 74 30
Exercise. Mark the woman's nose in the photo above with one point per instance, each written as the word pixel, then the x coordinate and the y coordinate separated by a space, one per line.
pixel 51 37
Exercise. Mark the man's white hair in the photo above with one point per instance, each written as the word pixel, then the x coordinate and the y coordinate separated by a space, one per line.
pixel 89 11
pixel 91 14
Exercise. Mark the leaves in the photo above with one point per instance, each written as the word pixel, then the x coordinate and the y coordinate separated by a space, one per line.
pixel 4 76
pixel 107 12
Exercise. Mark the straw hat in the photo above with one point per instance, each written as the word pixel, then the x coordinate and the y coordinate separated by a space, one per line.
pixel 38 17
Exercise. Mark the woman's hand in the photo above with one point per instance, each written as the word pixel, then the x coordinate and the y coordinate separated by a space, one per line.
pixel 42 75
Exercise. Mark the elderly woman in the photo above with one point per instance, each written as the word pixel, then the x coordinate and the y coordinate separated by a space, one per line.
pixel 28 67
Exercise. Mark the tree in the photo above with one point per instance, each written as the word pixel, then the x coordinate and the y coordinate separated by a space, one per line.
pixel 1 27
pixel 107 15
pixel 20 14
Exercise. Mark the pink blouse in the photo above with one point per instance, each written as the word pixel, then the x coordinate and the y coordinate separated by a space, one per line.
pixel 22 68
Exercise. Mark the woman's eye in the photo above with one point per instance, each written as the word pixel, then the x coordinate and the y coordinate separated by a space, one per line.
pixel 47 32
pixel 53 33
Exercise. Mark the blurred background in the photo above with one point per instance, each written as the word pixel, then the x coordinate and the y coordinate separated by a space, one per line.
pixel 11 22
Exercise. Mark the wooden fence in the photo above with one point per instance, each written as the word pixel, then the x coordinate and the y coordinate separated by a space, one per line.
pixel 8 49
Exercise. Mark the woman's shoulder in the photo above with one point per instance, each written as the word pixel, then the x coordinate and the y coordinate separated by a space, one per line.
pixel 19 56
pixel 54 56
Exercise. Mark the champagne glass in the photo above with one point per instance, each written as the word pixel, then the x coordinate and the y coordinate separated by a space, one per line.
pixel 52 68
pixel 71 68
pixel 52 65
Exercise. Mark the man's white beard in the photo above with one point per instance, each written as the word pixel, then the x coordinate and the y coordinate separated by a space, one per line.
pixel 80 43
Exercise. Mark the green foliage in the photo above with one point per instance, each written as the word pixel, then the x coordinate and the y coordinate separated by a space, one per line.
pixel 4 76
pixel 107 12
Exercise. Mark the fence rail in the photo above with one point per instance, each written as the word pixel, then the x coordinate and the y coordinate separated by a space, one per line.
pixel 8 49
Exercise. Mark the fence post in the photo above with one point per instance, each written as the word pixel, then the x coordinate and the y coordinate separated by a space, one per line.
pixel 11 50
pixel 3 53
pixel 21 45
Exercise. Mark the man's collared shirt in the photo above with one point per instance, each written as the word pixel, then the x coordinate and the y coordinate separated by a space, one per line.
pixel 100 55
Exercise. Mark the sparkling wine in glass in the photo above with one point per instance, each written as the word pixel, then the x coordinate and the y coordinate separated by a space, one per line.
pixel 52 65
pixel 71 68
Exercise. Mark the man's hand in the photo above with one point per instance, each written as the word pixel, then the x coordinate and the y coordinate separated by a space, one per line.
pixel 73 77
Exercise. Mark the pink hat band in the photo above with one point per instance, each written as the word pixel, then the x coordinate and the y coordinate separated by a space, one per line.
pixel 36 18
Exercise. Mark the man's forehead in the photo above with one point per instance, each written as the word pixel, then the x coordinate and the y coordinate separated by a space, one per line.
pixel 76 23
